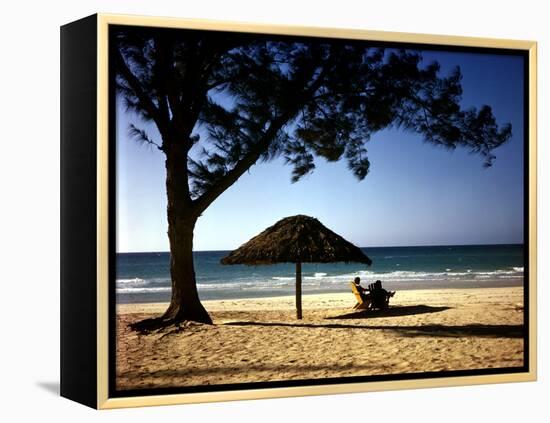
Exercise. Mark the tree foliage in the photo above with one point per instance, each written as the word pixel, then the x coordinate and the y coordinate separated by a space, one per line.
pixel 254 98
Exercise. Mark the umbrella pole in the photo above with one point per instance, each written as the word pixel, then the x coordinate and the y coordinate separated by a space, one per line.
pixel 298 290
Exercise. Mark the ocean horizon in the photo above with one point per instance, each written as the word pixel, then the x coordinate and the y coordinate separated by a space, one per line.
pixel 143 277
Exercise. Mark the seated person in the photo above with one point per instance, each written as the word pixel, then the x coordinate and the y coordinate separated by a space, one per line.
pixel 380 297
pixel 363 292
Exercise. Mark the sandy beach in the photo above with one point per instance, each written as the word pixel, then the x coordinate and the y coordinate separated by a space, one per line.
pixel 256 340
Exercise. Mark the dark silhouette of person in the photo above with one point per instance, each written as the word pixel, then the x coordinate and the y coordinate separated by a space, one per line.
pixel 380 297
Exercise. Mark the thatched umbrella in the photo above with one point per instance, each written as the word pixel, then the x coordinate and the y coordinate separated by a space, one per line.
pixel 296 239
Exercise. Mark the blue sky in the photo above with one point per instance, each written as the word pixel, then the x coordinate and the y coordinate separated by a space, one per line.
pixel 415 193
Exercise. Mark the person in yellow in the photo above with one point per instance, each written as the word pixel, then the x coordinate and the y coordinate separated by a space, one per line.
pixel 363 292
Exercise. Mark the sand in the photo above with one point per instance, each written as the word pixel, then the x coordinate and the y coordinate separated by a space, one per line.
pixel 258 340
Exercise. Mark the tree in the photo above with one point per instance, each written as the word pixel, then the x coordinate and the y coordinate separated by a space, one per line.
pixel 255 98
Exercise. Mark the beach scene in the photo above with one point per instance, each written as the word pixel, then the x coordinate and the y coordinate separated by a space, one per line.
pixel 294 210
pixel 440 319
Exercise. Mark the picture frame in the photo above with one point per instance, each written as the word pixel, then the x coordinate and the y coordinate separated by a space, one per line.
pixel 89 218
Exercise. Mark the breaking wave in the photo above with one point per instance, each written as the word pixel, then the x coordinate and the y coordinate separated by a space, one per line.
pixel 321 280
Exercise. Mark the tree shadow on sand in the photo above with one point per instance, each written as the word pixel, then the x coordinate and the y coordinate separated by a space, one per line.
pixel 475 330
pixel 390 312
pixel 433 330
pixel 293 366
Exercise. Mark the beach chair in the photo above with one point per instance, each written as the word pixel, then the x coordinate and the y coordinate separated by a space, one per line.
pixel 361 303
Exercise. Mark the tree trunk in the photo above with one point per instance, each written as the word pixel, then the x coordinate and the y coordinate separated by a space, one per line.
pixel 185 303
pixel 298 290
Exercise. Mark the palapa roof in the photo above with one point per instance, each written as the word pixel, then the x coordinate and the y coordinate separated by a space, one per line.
pixel 296 239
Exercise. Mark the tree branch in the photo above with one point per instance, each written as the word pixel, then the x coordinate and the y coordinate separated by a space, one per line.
pixel 202 202
pixel 229 178
pixel 143 98
pixel 141 136
pixel 162 64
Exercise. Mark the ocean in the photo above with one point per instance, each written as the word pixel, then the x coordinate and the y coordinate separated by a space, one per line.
pixel 145 277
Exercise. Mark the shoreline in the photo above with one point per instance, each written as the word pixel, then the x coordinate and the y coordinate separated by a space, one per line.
pixel 271 293
pixel 309 299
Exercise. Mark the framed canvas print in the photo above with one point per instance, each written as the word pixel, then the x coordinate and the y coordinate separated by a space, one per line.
pixel 257 211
